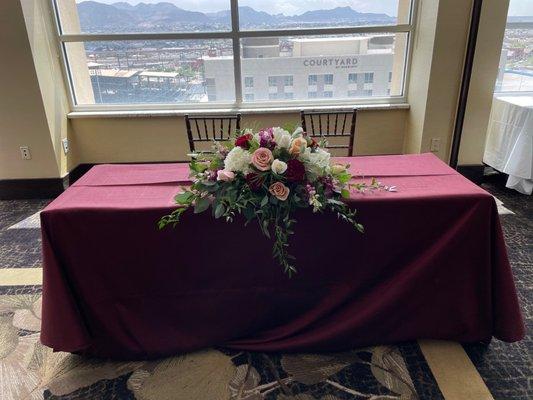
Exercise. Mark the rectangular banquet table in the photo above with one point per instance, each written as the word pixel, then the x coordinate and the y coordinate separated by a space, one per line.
pixel 431 264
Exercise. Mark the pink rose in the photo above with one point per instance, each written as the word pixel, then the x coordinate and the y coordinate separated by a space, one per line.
pixel 225 175
pixel 279 190
pixel 262 158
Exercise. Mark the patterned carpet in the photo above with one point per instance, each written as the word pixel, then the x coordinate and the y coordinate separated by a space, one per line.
pixel 29 370
pixel 508 368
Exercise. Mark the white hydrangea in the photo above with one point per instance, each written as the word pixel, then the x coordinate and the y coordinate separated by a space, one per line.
pixel 320 158
pixel 238 160
pixel 281 137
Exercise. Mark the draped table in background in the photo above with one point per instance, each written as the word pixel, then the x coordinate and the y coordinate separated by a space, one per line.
pixel 432 264
pixel 509 146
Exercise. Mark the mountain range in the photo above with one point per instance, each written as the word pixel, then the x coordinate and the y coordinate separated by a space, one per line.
pixel 122 16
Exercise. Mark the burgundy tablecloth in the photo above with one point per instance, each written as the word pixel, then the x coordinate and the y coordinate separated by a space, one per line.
pixel 432 264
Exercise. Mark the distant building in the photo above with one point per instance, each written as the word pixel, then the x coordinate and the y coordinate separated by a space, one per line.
pixel 138 86
pixel 109 82
pixel 307 68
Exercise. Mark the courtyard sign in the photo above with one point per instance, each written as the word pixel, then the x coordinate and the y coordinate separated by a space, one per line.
pixel 337 62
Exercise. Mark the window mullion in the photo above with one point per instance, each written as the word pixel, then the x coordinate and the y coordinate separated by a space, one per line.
pixel 97 37
pixel 236 51
pixel 328 31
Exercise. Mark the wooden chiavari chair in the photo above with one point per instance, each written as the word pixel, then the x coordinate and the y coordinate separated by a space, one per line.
pixel 331 124
pixel 209 128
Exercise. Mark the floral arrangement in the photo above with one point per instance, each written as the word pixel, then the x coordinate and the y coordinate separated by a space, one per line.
pixel 266 176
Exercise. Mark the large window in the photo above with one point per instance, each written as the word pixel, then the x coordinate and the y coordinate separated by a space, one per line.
pixel 242 53
pixel 516 62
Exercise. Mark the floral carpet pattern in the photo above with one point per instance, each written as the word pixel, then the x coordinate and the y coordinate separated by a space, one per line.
pixel 29 370
pixel 507 368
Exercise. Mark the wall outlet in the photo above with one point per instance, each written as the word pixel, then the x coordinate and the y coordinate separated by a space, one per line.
pixel 25 152
pixel 435 145
pixel 64 143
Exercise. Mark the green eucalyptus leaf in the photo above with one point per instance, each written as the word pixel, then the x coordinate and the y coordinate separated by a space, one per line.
pixel 201 205
pixel 335 202
pixel 183 198
pixel 249 213
pixel 220 210
pixel 344 177
pixel 198 167
pixel 345 193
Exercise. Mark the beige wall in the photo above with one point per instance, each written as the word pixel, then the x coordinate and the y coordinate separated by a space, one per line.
pixel 42 39
pixel 98 140
pixel 23 118
pixel 33 104
pixel 436 73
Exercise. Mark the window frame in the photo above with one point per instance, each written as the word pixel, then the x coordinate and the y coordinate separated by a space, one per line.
pixel 235 35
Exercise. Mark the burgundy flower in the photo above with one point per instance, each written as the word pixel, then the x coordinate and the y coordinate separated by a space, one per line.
pixel 295 171
pixel 244 141
pixel 255 181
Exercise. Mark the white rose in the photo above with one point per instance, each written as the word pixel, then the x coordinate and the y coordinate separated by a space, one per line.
pixel 281 137
pixel 284 141
pixel 279 167
pixel 277 132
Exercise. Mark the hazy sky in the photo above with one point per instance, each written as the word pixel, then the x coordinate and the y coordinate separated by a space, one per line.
pixel 291 7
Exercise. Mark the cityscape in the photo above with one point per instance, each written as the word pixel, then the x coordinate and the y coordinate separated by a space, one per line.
pixel 516 63
pixel 174 71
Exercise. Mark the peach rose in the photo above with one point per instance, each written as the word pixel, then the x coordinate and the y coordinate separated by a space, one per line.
pixel 262 158
pixel 298 145
pixel 279 190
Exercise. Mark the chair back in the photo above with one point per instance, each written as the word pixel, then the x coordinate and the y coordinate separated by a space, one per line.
pixel 206 128
pixel 331 124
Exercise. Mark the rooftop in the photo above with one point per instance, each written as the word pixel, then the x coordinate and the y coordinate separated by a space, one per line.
pixel 115 73
pixel 158 74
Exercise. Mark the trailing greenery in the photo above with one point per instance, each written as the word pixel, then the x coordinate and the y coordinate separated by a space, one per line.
pixel 266 177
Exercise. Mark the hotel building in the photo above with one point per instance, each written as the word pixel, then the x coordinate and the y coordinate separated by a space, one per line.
pixel 305 68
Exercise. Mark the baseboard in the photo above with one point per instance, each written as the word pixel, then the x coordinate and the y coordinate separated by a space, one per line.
pixel 475 173
pixel 18 189
pixel 77 172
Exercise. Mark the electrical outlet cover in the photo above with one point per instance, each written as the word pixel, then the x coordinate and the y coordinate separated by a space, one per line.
pixel 64 142
pixel 25 152
pixel 435 145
